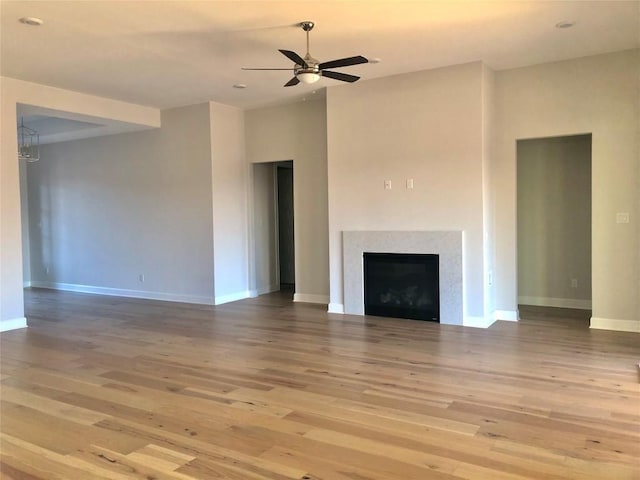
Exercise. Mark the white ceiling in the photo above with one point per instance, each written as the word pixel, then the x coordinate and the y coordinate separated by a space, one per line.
pixel 171 53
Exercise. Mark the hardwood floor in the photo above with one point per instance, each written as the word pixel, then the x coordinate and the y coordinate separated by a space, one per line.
pixel 114 388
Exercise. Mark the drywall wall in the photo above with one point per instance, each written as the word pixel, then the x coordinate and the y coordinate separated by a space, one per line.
pixel 554 221
pixel 264 229
pixel 14 92
pixel 597 95
pixel 425 126
pixel 229 196
pixel 105 211
pixel 24 210
pixel 11 278
pixel 488 203
pixel 298 132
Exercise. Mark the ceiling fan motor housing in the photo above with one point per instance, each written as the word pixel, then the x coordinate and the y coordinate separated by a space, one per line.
pixel 312 66
pixel 312 69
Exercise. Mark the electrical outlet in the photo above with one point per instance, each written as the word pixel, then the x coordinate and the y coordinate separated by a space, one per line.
pixel 141 277
pixel 574 283
pixel 622 217
pixel 46 271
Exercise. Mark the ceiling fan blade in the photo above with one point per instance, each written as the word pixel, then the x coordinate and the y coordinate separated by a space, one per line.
pixel 294 57
pixel 292 82
pixel 244 68
pixel 343 62
pixel 339 76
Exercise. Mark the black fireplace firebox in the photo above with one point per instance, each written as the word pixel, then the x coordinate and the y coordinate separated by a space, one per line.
pixel 402 285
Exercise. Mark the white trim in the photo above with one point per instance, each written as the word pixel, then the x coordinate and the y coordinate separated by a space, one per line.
pixel 310 298
pixel 26 284
pixel 555 302
pixel 506 315
pixel 478 322
pixel 619 324
pixel 232 297
pixel 121 292
pixel 336 308
pixel 13 324
pixel 253 293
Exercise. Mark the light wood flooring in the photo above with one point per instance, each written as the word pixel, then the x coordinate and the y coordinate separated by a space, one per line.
pixel 113 388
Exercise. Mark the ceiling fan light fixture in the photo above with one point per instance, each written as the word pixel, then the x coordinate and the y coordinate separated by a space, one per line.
pixel 308 70
pixel 308 77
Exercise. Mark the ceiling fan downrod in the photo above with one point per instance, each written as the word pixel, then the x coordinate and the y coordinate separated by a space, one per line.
pixel 307 27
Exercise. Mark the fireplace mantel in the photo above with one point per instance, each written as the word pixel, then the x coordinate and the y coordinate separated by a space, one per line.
pixel 446 244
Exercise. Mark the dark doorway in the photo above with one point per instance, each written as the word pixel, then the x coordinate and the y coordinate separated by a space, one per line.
pixel 286 245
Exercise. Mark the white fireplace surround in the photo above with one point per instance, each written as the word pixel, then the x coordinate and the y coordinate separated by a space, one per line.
pixel 446 244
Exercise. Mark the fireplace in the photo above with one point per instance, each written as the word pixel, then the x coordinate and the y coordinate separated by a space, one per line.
pixel 402 285
pixel 447 245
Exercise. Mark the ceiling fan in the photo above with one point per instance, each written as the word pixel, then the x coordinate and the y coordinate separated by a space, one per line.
pixel 309 70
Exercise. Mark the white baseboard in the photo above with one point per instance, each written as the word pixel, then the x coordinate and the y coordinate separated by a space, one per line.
pixel 506 315
pixel 336 308
pixel 232 297
pixel 310 298
pixel 478 322
pixel 13 324
pixel 618 324
pixel 555 302
pixel 121 292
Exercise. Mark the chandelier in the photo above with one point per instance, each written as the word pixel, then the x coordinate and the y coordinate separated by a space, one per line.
pixel 28 143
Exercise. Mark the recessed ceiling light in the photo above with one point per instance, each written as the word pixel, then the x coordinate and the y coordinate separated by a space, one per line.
pixel 33 21
pixel 565 24
pixel 240 85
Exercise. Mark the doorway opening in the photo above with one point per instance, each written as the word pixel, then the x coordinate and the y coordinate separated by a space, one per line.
pixel 274 248
pixel 554 227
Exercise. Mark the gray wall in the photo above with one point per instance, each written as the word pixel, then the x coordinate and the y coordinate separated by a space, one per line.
pixel 159 214
pixel 229 196
pixel 488 197
pixel 426 126
pixel 298 132
pixel 554 221
pixel 265 260
pixel 15 92
pixel 24 208
pixel 104 211
pixel 598 95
